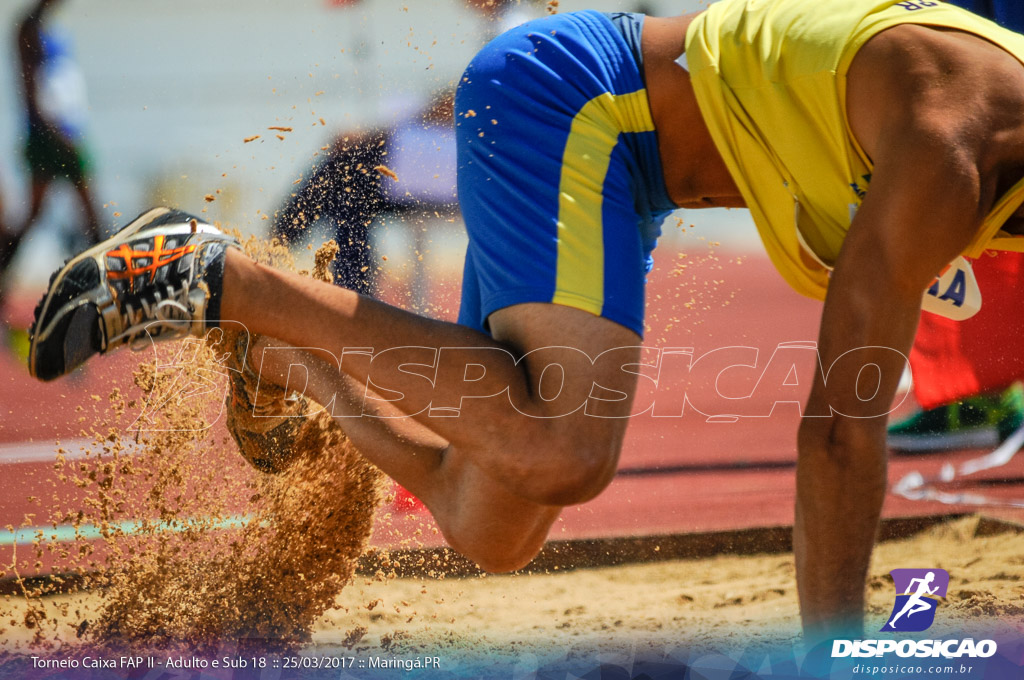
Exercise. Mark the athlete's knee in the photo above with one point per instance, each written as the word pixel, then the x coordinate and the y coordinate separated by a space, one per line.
pixel 504 561
pixel 496 555
pixel 563 467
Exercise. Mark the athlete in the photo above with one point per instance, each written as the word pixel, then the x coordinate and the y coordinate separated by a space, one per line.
pixel 874 144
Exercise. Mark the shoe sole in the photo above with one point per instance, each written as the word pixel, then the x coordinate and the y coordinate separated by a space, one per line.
pixel 155 217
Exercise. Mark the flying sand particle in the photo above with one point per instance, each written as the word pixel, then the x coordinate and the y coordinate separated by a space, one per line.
pixel 386 171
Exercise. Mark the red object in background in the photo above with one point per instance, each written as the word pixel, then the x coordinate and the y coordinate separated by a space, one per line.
pixel 342 3
pixel 405 501
pixel 956 359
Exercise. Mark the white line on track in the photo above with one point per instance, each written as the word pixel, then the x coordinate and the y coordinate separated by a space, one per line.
pixel 39 452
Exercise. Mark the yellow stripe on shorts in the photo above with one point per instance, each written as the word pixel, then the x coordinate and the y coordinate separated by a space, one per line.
pixel 593 135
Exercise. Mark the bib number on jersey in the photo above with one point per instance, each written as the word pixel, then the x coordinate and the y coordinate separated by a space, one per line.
pixel 955 293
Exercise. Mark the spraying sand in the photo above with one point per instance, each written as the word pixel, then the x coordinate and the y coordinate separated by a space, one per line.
pixel 195 547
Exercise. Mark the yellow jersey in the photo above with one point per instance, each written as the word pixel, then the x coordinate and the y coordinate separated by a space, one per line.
pixel 770 80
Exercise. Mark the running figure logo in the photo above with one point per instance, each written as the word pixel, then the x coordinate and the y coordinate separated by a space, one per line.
pixel 917 593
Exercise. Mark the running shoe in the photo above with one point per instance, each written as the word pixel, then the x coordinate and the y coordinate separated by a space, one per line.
pixel 158 277
pixel 982 421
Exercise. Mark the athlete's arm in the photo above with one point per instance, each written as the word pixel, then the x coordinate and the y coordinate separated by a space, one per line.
pixel 927 106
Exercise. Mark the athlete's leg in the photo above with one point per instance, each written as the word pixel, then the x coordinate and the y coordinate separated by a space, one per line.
pixel 554 216
pixel 547 457
pixel 572 236
pixel 10 240
pixel 478 516
pixel 88 208
pixel 39 186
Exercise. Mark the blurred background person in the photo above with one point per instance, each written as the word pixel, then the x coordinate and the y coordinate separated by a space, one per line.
pixel 346 192
pixel 350 189
pixel 55 109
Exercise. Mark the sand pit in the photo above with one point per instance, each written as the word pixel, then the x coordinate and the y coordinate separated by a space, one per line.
pixel 644 608
pixel 684 602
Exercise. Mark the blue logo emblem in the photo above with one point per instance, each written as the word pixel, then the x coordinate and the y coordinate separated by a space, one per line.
pixel 917 595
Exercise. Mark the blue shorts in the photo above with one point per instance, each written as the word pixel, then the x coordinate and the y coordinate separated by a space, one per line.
pixel 559 176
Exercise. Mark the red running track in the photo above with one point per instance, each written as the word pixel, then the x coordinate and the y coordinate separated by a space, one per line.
pixel 678 473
